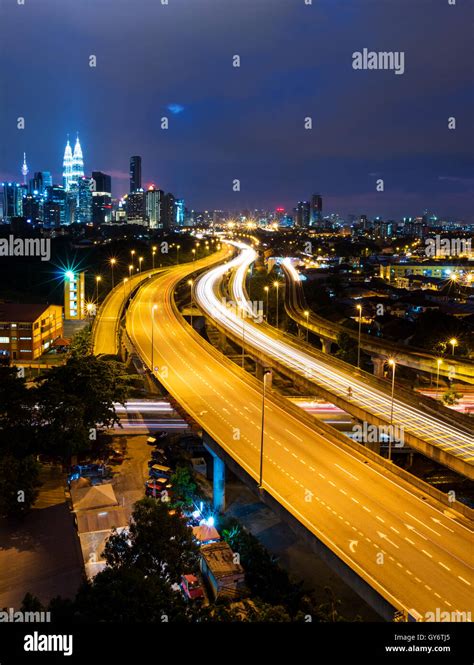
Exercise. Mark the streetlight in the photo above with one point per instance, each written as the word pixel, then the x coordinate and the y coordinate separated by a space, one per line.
pixel 112 263
pixel 359 308
pixel 132 254
pixel 125 280
pixel 194 254
pixel 130 270
pixel 393 364
pixel 190 283
pixel 266 289
pixel 306 313
pixel 453 342
pixel 276 285
pixel 262 431
pixel 152 344
pixel 177 254
pixel 97 280
pixel 438 362
pixel 153 256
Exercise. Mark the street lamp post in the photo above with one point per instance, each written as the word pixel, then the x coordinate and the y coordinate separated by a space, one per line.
pixel 276 285
pixel 266 289
pixel 112 263
pixel 190 283
pixel 140 264
pixel 306 313
pixel 153 256
pixel 152 341
pixel 359 308
pixel 438 362
pixel 177 254
pixel 194 254
pixel 132 254
pixel 453 342
pixel 97 280
pixel 125 280
pixel 262 431
pixel 392 364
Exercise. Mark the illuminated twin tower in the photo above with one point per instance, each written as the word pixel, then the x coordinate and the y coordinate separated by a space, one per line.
pixel 73 166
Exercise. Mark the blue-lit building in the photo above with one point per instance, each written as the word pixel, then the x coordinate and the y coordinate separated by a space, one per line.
pixel 101 198
pixel 13 194
pixel 154 206
pixel 84 200
pixel 56 205
pixel 180 212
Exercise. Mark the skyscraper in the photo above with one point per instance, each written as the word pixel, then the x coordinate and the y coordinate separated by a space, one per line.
pixel 154 205
pixel 135 173
pixel 84 201
pixel 55 206
pixel 316 209
pixel 136 208
pixel 12 200
pixel 168 211
pixel 101 197
pixel 179 212
pixel 303 214
pixel 67 167
pixel 77 163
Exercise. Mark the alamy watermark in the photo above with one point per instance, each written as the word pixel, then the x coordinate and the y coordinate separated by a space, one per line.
pixel 439 246
pixel 367 433
pixel 9 615
pixel 393 60
pixel 12 246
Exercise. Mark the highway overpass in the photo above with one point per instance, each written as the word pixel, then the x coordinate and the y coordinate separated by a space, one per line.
pixel 407 547
pixel 438 433
pixel 379 350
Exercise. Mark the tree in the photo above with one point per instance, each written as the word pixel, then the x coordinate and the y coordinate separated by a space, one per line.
pixel 184 486
pixel 157 542
pixel 75 399
pixel 19 482
pixel 451 398
pixel 81 343
pixel 16 411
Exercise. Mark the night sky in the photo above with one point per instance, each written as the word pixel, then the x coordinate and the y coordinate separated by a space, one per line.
pixel 247 123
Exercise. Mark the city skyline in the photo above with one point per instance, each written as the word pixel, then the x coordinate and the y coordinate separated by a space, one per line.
pixel 247 123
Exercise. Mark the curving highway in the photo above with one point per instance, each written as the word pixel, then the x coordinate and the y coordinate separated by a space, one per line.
pixel 414 555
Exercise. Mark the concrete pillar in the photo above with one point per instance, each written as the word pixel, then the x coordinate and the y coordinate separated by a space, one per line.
pixel 378 364
pixel 218 484
pixel 218 478
pixel 326 344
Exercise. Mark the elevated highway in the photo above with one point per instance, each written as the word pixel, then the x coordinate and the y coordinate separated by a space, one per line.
pixel 416 555
pixel 379 350
pixel 438 433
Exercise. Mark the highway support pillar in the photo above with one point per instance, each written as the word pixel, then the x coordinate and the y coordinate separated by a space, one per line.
pixel 378 364
pixel 218 481
pixel 326 345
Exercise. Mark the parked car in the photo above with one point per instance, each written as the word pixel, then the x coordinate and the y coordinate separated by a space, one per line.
pixel 191 587
pixel 86 471
pixel 159 470
pixel 157 487
pixel 157 437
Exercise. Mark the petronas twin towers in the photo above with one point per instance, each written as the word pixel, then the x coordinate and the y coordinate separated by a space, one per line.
pixel 73 166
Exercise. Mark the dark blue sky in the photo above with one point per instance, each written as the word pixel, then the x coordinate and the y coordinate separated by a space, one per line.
pixel 247 123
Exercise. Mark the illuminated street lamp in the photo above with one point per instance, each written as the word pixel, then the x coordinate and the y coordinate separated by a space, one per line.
pixel 112 263
pixel 125 280
pixel 276 285
pixel 190 284
pixel 132 254
pixel 153 256
pixel 130 270
pixel 266 289
pixel 152 342
pixel 393 365
pixel 97 280
pixel 438 362
pixel 359 308
pixel 177 254
pixel 306 313
pixel 453 342
pixel 140 264
pixel 262 431
pixel 194 254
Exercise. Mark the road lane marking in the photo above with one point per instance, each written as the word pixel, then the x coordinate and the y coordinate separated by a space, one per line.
pixel 348 473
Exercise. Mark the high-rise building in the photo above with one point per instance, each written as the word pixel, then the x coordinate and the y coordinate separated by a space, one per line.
pixel 154 205
pixel 303 214
pixel 77 163
pixel 67 167
pixel 57 196
pixel 12 200
pixel 51 215
pixel 136 208
pixel 32 207
pixel 84 201
pixel 74 295
pixel 135 173
pixel 180 212
pixel 316 209
pixel 101 197
pixel 168 211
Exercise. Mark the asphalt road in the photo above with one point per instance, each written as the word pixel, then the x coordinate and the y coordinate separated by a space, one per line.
pixel 355 508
